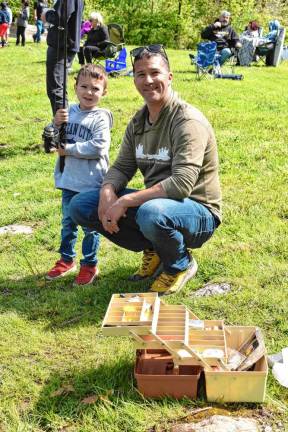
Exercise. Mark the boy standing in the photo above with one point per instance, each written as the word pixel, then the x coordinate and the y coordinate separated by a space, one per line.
pixel 86 163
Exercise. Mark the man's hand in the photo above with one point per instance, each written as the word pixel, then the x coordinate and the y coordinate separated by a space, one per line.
pixel 61 117
pixel 217 24
pixel 112 216
pixel 107 198
pixel 238 45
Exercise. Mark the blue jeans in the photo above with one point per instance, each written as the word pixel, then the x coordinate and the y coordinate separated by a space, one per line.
pixel 69 233
pixel 225 54
pixel 165 225
pixel 39 31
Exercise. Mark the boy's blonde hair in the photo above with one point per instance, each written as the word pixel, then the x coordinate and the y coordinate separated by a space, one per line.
pixel 93 71
pixel 97 17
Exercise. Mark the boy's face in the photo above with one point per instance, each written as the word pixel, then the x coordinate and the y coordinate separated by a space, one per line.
pixel 89 92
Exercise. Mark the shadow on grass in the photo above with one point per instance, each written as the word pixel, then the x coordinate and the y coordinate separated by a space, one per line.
pixel 109 389
pixel 62 304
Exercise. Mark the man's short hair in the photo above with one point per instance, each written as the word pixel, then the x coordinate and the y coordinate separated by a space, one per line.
pixel 147 54
pixel 225 13
pixel 93 71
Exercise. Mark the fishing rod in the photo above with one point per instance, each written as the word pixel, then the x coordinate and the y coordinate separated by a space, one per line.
pixel 63 126
pixel 53 138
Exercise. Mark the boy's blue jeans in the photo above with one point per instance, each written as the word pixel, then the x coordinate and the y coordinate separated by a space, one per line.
pixel 165 225
pixel 69 233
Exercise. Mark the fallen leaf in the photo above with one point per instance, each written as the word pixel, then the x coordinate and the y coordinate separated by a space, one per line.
pixel 64 390
pixel 90 399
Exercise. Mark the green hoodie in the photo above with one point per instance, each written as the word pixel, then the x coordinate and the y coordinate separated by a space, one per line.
pixel 178 150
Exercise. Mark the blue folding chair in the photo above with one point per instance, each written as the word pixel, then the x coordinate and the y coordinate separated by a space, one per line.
pixel 114 67
pixel 207 60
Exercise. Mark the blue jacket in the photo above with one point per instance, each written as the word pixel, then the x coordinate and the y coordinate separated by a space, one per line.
pixel 4 16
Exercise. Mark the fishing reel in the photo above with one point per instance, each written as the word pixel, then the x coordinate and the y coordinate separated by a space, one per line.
pixel 51 138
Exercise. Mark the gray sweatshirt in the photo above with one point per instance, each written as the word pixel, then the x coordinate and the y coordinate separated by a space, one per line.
pixel 22 20
pixel 87 149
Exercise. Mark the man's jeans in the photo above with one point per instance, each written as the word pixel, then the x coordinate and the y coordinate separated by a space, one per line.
pixel 39 31
pixel 167 226
pixel 225 54
pixel 69 232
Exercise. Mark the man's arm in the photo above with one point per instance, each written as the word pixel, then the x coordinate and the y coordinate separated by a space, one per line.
pixel 208 32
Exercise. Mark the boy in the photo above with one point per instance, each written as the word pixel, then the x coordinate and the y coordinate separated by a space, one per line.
pixel 86 163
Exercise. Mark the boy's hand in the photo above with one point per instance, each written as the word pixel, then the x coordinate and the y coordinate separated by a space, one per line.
pixel 61 150
pixel 61 117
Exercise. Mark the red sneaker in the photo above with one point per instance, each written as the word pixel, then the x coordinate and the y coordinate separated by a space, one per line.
pixel 60 269
pixel 86 275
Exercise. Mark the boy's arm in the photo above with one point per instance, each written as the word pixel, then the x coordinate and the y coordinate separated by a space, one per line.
pixel 96 145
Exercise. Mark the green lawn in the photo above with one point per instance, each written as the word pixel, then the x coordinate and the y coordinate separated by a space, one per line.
pixel 52 352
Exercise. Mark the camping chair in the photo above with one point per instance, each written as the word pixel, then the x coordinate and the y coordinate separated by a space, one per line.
pixel 206 61
pixel 118 65
pixel 269 52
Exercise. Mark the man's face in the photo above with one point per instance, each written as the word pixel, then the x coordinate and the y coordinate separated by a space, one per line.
pixel 89 92
pixel 224 19
pixel 152 79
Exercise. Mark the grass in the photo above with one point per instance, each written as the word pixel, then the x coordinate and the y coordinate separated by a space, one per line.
pixel 53 354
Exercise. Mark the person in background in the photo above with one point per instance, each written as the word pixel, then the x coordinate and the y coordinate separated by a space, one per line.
pixel 252 30
pixel 22 23
pixel 86 162
pixel 96 37
pixel 4 22
pixel 39 7
pixel 55 51
pixel 9 10
pixel 224 35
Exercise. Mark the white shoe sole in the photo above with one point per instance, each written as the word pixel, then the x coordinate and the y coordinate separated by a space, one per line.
pixel 88 283
pixel 192 270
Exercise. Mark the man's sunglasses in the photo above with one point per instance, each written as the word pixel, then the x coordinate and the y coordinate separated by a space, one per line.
pixel 137 53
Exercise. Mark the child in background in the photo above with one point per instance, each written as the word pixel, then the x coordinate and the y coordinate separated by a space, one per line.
pixel 4 22
pixel 86 163
pixel 22 23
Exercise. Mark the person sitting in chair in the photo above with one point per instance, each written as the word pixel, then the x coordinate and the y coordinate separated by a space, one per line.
pixel 224 35
pixel 96 38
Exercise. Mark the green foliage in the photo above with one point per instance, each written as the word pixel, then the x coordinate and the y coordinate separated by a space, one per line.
pixel 178 24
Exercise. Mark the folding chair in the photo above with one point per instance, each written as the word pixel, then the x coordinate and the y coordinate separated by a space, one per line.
pixel 118 65
pixel 206 61
pixel 270 50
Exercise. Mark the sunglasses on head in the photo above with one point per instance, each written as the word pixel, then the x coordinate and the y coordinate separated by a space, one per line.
pixel 138 52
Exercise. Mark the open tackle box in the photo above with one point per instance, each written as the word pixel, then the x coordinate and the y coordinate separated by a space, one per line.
pixel 174 346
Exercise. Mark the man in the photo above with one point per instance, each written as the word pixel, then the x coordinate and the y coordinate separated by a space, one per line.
pixel 224 35
pixel 174 147
pixel 39 6
pixel 55 51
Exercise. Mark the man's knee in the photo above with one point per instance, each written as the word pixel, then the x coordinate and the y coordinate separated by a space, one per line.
pixel 150 214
